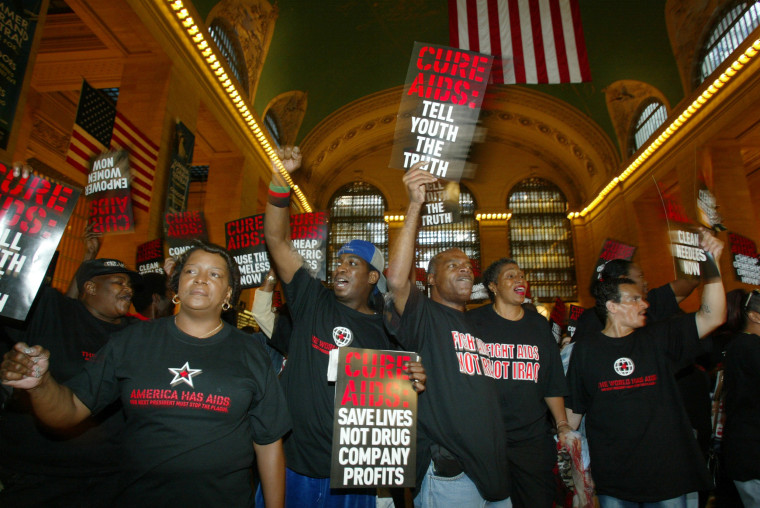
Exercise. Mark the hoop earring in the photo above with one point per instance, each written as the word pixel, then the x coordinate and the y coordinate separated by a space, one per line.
pixel 226 306
pixel 175 300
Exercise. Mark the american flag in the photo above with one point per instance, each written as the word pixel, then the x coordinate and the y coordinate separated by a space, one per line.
pixel 533 41
pixel 98 125
pixel 92 127
pixel 143 157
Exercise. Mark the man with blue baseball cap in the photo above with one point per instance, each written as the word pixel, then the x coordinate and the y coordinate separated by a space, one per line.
pixel 323 321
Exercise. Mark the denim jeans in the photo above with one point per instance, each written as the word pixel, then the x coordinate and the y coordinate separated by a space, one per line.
pixel 690 500
pixel 749 491
pixel 460 491
pixel 306 492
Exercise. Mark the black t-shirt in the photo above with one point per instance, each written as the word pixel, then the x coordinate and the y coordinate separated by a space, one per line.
pixel 459 407
pixel 741 434
pixel 194 409
pixel 526 363
pixel 66 328
pixel 320 324
pixel 662 305
pixel 641 443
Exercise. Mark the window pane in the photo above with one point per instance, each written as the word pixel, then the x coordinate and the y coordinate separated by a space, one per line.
pixel 540 239
pixel 649 120
pixel 727 34
pixel 356 211
pixel 227 41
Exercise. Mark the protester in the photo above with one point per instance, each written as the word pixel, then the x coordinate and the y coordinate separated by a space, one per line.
pixel 196 391
pixel 323 320
pixel 525 360
pixel 741 434
pixel 152 298
pixel 47 469
pixel 461 438
pixel 642 446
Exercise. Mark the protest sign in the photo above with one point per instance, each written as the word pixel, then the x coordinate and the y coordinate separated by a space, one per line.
pixel 245 240
pixel 179 170
pixel 33 215
pixel 439 109
pixel 744 259
pixel 572 318
pixel 612 249
pixel 150 257
pixel 19 21
pixel 557 319
pixel 108 192
pixel 375 422
pixel 182 229
pixel 691 261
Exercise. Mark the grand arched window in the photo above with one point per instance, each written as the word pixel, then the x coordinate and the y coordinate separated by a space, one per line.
pixel 728 32
pixel 357 210
pixel 462 235
pixel 652 114
pixel 540 239
pixel 227 41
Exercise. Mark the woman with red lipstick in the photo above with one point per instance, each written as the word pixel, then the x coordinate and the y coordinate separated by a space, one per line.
pixel 642 447
pixel 525 363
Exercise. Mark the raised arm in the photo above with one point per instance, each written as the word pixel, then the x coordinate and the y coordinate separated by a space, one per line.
pixel 682 288
pixel 402 253
pixel 26 368
pixel 286 259
pixel 92 243
pixel 712 312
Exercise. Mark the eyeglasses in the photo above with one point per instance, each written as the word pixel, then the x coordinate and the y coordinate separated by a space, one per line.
pixel 754 292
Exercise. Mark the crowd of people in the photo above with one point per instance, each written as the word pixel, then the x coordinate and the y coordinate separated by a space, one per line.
pixel 173 404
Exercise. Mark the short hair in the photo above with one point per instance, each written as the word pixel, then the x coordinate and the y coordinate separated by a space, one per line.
pixel 433 263
pixel 151 283
pixel 608 290
pixel 232 267
pixel 492 273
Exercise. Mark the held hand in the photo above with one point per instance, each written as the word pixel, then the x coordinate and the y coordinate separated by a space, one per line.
pixel 564 432
pixel 711 243
pixel 24 366
pixel 290 156
pixel 415 180
pixel 270 281
pixel 169 264
pixel 416 373
pixel 92 242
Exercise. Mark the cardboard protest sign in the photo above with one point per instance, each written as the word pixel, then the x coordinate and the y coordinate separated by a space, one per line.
pixel 245 240
pixel 572 318
pixel 150 257
pixel 19 20
pixel 179 170
pixel 441 204
pixel 108 191
pixel 691 261
pixel 612 249
pixel 439 109
pixel 33 215
pixel 557 319
pixel 375 425
pixel 182 228
pixel 744 259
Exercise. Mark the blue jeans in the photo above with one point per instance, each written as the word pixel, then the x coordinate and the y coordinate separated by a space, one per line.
pixel 306 492
pixel 460 491
pixel 749 491
pixel 690 500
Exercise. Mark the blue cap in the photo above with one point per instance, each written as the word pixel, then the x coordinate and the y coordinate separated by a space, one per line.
pixel 371 255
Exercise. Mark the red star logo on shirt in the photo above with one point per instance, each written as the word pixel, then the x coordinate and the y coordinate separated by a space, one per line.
pixel 184 374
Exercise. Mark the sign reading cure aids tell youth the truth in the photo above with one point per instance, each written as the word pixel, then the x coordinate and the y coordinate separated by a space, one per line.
pixel 245 241
pixel 375 425
pixel 33 215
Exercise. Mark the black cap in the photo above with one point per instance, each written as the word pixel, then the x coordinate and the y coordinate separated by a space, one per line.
pixel 103 266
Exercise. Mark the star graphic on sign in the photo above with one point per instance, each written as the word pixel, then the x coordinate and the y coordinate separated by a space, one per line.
pixel 184 374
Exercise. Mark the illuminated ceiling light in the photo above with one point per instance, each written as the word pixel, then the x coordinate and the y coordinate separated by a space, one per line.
pixel 737 65
pixel 182 14
pixel 223 77
pixel 219 72
pixel 203 45
pixel 216 65
pixel 701 100
pixel 230 88
pixel 176 5
pixel 193 30
pixel 198 38
pixel 207 52
pixel 225 82
pixel 743 58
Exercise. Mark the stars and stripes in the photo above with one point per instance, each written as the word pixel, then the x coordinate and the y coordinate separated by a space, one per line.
pixel 143 157
pixel 533 41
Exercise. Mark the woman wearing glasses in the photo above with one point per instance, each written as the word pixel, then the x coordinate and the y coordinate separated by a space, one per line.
pixel 741 438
